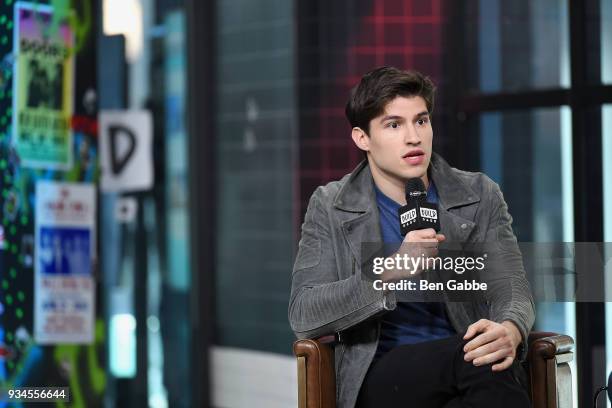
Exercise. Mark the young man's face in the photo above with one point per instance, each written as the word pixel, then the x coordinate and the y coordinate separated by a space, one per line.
pixel 399 142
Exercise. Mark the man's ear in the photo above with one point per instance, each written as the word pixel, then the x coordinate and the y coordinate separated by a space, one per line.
pixel 361 139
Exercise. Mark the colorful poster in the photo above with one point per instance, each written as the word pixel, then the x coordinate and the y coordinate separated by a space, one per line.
pixel 42 87
pixel 64 255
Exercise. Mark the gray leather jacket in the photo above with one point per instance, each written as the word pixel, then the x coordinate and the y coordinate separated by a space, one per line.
pixel 328 294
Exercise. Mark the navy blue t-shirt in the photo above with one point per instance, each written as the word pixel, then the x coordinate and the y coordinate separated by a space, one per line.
pixel 409 322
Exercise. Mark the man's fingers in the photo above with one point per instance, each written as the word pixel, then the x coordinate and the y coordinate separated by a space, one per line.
pixel 471 331
pixel 428 233
pixel 429 243
pixel 440 237
pixel 504 364
pixel 488 347
pixel 484 350
pixel 474 328
pixel 480 340
pixel 491 357
pixel 419 235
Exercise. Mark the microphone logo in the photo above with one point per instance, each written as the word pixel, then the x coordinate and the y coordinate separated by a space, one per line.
pixel 408 217
pixel 429 214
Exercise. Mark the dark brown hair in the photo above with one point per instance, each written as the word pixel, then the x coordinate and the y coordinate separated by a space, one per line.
pixel 379 87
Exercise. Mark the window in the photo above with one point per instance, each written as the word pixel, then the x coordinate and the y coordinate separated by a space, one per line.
pixel 513 46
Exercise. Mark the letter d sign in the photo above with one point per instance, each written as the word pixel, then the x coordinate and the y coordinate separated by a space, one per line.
pixel 126 154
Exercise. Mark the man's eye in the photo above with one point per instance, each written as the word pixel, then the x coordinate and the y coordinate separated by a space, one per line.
pixel 422 121
pixel 393 125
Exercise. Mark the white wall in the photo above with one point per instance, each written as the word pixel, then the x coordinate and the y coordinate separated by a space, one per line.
pixel 246 378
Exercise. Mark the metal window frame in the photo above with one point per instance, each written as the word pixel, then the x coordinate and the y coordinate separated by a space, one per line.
pixel 201 91
pixel 585 101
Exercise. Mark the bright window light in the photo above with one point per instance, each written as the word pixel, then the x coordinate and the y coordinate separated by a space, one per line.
pixel 123 345
pixel 125 17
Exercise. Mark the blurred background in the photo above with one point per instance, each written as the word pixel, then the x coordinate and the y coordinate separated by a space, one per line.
pixel 197 130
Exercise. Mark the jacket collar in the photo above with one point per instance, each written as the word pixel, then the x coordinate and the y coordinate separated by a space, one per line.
pixel 452 190
pixel 357 194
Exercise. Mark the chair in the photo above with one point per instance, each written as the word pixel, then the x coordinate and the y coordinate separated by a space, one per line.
pixel 550 377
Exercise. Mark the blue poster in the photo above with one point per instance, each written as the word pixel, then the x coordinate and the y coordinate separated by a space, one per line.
pixel 65 251
pixel 65 242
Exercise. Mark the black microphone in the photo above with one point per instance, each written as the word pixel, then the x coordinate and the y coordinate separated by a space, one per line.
pixel 417 213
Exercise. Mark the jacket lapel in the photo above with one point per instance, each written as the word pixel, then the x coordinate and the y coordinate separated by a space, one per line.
pixel 358 213
pixel 456 211
pixel 455 199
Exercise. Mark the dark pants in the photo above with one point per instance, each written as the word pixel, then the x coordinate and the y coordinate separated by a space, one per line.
pixel 433 374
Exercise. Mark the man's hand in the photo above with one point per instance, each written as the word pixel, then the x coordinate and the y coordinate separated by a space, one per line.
pixel 416 243
pixel 497 342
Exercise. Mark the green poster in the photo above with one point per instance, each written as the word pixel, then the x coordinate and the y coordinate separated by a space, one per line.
pixel 42 88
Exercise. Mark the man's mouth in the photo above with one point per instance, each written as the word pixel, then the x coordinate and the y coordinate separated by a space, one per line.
pixel 414 157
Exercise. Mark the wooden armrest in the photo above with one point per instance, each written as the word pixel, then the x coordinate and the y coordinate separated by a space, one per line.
pixel 539 334
pixel 316 373
pixel 551 344
pixel 550 375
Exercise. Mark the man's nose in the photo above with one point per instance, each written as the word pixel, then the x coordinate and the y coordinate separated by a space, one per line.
pixel 411 136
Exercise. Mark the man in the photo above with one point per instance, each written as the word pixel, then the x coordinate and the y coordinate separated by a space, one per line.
pixel 408 354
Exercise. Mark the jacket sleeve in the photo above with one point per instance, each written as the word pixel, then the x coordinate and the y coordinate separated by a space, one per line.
pixel 320 302
pixel 509 295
